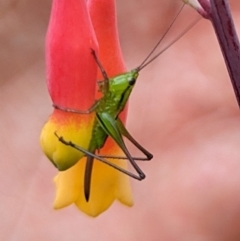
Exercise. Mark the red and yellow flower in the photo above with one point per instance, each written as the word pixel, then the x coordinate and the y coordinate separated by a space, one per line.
pixel 75 28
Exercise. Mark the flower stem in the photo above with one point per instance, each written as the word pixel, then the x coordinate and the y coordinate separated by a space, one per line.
pixel 221 18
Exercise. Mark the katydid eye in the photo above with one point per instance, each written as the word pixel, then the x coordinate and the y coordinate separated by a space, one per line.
pixel 132 81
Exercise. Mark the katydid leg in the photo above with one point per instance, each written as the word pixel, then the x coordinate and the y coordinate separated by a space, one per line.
pixel 104 73
pixel 90 110
pixel 108 123
pixel 125 133
pixel 87 153
pixel 125 158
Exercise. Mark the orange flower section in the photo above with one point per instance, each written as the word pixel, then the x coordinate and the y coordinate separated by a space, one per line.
pixel 76 128
pixel 69 41
pixel 76 90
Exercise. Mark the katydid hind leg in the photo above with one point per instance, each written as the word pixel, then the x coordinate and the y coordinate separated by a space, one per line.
pixel 109 125
pixel 125 133
pixel 132 161
pixel 88 153
pixel 125 158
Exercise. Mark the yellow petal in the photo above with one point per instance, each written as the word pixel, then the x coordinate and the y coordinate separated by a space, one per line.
pixel 107 185
pixel 68 185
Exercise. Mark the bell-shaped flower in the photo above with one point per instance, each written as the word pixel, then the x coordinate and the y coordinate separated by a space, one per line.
pixel 75 29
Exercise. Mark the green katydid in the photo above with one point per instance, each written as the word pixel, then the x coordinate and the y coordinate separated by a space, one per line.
pixel 116 92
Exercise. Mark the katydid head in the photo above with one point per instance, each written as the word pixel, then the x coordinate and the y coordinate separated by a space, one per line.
pixel 120 88
pixel 123 82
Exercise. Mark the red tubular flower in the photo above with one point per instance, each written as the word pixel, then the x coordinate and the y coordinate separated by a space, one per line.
pixel 72 75
pixel 70 39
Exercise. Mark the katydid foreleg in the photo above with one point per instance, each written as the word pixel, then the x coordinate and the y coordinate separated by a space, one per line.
pixel 81 112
